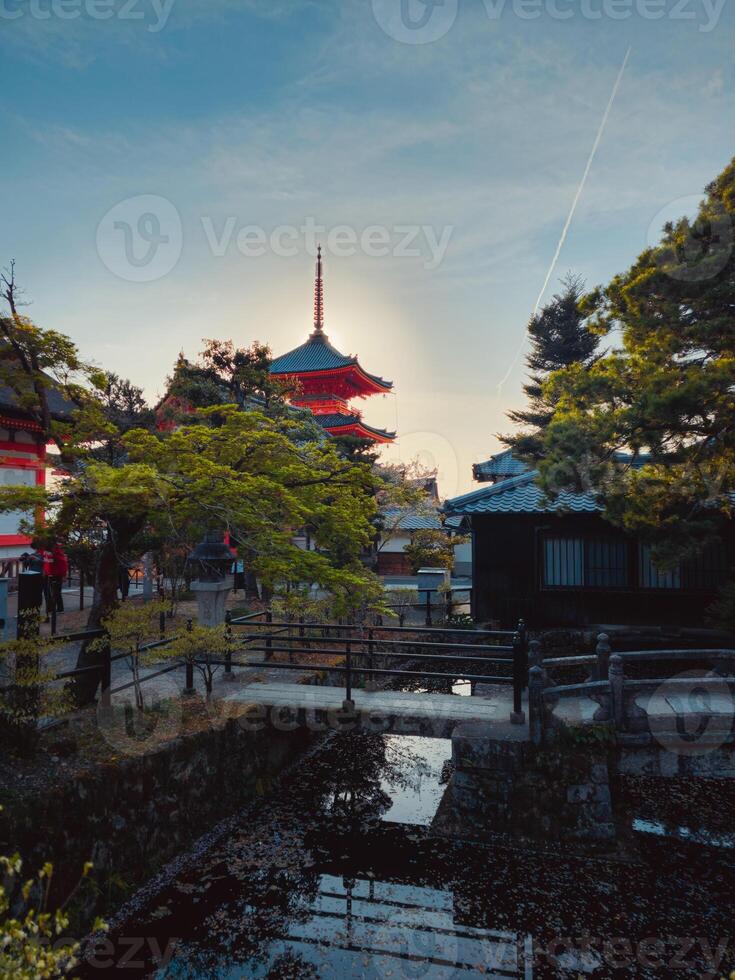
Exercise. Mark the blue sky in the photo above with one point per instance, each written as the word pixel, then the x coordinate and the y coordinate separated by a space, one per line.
pixel 249 114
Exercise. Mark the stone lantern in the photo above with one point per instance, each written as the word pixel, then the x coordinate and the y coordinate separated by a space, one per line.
pixel 211 562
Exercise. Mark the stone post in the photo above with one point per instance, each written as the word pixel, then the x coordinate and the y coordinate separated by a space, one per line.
pixel 211 562
pixel 147 576
pixel 536 704
pixel 603 656
pixel 535 655
pixel 616 675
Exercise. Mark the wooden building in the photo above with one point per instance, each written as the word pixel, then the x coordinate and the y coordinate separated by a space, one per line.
pixel 23 460
pixel 558 563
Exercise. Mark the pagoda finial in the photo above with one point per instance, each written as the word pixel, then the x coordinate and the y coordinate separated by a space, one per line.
pixel 319 295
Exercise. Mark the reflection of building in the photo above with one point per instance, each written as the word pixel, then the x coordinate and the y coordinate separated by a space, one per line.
pixel 22 460
pixel 328 380
pixel 559 563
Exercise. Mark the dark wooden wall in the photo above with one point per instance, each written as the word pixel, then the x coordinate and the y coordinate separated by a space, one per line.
pixel 507 579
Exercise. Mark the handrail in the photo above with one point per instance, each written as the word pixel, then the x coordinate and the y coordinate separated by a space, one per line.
pixel 383 629
pixel 383 653
pixel 364 641
pixel 362 670
pixel 677 654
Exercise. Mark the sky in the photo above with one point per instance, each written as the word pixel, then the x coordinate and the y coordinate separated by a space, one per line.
pixel 168 166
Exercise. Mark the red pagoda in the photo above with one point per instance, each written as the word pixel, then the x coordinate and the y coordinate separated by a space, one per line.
pixel 328 380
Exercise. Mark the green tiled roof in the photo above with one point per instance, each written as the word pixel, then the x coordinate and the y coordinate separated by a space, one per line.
pixel 317 354
pixel 520 495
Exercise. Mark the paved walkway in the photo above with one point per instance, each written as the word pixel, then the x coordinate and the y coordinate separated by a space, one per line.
pixel 410 713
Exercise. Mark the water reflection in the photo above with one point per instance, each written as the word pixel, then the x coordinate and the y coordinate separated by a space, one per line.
pixel 337 875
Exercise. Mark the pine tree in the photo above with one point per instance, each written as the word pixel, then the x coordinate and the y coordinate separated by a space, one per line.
pixel 560 337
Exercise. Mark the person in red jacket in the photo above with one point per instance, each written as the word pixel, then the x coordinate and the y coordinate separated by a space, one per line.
pixel 58 570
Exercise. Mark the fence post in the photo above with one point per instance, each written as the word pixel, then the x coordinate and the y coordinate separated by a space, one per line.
pixel 349 704
pixel 229 676
pixel 517 715
pixel 189 688
pixel 268 641
pixel 523 633
pixel 428 607
pixel 535 656
pixel 616 675
pixel 162 624
pixel 106 673
pixel 302 631
pixel 536 704
pixel 81 590
pixel 370 684
pixel 603 656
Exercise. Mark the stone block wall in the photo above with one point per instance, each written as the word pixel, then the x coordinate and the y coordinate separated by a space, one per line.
pixel 503 784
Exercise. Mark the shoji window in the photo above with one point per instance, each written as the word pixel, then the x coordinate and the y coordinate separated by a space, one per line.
pixel 563 562
pixel 595 563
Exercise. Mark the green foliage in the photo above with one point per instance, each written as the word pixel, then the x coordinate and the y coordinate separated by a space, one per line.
pixel 560 337
pixel 224 374
pixel 33 943
pixel 130 627
pixel 584 736
pixel 27 689
pixel 431 549
pixel 667 392
pixel 202 647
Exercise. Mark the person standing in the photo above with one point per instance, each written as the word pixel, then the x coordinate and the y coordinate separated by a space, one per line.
pixel 59 569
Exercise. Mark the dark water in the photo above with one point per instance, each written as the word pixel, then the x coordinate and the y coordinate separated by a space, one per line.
pixel 336 874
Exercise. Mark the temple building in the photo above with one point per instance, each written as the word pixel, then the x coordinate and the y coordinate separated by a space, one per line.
pixel 328 380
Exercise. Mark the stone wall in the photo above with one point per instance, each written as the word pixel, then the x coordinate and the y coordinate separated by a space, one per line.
pixel 504 784
pixel 133 815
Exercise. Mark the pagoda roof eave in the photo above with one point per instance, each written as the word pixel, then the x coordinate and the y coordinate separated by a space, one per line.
pixel 353 373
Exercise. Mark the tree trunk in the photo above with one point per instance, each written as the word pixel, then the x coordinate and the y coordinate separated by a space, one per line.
pixel 106 580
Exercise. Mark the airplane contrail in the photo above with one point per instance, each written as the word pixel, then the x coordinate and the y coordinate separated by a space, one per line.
pixel 572 210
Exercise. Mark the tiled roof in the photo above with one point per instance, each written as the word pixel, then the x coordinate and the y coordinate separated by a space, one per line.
pixel 336 421
pixel 519 495
pixel 413 522
pixel 501 465
pixel 317 354
pixel 61 409
pixel 505 465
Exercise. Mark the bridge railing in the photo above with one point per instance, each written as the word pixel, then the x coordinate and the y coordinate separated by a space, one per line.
pixel 363 648
pixel 617 695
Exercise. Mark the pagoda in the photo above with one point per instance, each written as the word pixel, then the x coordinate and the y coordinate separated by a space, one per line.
pixel 329 380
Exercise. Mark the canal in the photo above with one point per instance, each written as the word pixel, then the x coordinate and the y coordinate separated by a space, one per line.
pixel 335 872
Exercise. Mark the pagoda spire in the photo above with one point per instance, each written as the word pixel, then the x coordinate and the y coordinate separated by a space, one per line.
pixel 319 296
